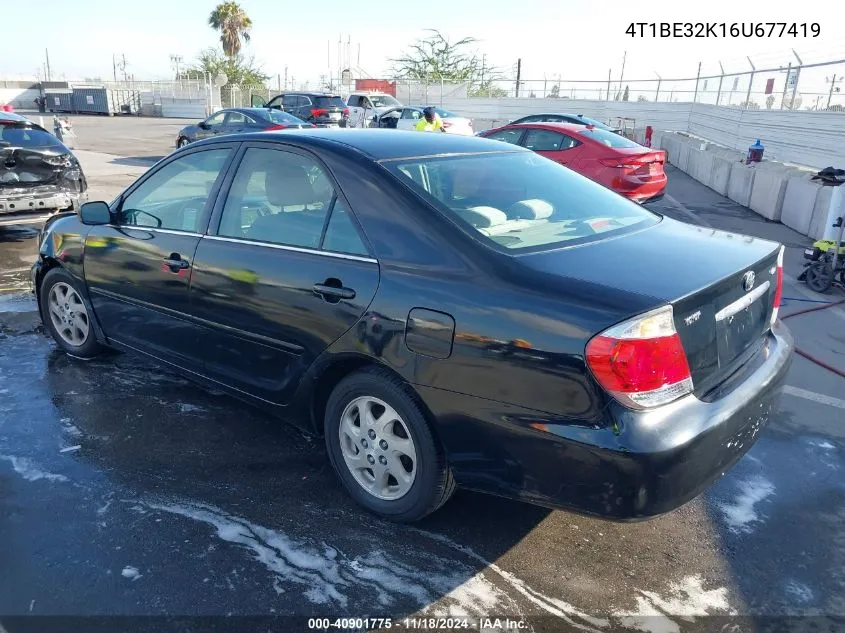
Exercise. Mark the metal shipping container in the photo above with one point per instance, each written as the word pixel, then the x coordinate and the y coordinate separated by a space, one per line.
pixel 59 100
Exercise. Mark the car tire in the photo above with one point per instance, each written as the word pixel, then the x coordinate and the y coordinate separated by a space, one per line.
pixel 182 142
pixel 67 315
pixel 402 483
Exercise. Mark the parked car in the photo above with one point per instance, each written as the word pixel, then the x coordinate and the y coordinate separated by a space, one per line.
pixel 321 109
pixel 235 120
pixel 576 119
pixel 407 117
pixel 364 107
pixel 39 175
pixel 444 310
pixel 614 161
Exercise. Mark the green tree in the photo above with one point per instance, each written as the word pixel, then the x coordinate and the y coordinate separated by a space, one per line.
pixel 233 24
pixel 625 94
pixel 435 58
pixel 238 69
pixel 770 101
pixel 554 93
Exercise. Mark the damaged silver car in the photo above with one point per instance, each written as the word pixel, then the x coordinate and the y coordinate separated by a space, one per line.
pixel 39 175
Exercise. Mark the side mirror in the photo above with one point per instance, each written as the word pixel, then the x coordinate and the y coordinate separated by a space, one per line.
pixel 203 125
pixel 95 213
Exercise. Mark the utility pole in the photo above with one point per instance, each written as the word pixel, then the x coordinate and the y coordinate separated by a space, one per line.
pixel 483 64
pixel 750 82
pixel 622 74
pixel 47 55
pixel 795 83
pixel 286 76
pixel 518 75
pixel 278 82
pixel 608 84
pixel 114 67
pixel 830 94
pixel 785 82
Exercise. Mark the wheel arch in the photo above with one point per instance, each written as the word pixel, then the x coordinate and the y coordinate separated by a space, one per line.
pixel 329 375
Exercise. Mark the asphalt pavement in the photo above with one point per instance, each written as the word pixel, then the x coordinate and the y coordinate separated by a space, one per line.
pixel 127 490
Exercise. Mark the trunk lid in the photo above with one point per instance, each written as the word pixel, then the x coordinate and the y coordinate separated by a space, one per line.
pixel 700 272
pixel 32 167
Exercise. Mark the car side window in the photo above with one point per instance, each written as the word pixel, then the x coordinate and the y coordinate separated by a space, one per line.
pixel 531 119
pixel 175 196
pixel 289 101
pixel 508 136
pixel 236 118
pixel 276 103
pixel 341 234
pixel 408 113
pixel 544 141
pixel 216 119
pixel 303 101
pixel 277 197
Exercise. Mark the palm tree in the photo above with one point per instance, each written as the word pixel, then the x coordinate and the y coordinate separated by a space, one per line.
pixel 233 23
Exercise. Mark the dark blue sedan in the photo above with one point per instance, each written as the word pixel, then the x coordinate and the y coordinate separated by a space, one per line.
pixel 236 120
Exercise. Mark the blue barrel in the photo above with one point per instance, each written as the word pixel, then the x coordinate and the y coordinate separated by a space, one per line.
pixel 755 153
pixel 59 100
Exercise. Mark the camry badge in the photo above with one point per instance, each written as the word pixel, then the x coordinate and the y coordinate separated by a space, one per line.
pixel 693 317
pixel 748 280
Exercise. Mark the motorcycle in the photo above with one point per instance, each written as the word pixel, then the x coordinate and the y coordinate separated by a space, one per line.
pixel 825 261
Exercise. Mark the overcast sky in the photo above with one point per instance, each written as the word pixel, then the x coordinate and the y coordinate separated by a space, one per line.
pixel 576 39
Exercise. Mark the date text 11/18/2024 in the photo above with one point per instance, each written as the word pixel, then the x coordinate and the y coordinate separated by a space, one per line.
pixel 417 624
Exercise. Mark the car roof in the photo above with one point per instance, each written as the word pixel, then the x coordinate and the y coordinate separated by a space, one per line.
pixel 574 116
pixel 11 116
pixel 552 125
pixel 377 144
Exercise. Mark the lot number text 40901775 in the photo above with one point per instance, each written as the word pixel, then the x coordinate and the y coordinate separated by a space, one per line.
pixel 724 29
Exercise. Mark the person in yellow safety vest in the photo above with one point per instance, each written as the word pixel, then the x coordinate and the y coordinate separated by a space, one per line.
pixel 431 122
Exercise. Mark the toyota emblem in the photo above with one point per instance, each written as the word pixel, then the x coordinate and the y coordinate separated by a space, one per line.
pixel 748 280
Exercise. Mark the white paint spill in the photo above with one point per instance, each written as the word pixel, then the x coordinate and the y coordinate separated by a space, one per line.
pixel 326 575
pixel 27 469
pixel 190 408
pixel 685 600
pixel 71 449
pixel 131 572
pixel 741 514
pixel 799 591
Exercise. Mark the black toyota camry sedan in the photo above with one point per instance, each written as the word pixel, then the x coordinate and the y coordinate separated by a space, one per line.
pixel 445 311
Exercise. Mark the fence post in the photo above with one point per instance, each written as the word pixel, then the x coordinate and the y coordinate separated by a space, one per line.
pixel 697 76
pixel 797 77
pixel 750 83
pixel 721 77
pixel 788 72
pixel 830 94
pixel 657 94
pixel 608 84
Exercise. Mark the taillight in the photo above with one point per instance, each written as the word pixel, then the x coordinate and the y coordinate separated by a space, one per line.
pixel 641 362
pixel 447 124
pixel 622 163
pixel 275 127
pixel 778 286
pixel 346 112
pixel 319 112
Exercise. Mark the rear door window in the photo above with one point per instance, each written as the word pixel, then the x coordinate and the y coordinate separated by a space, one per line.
pixel 548 141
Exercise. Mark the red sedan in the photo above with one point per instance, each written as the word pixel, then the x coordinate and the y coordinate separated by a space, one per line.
pixel 612 160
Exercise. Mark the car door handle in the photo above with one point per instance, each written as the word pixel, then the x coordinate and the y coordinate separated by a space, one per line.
pixel 334 291
pixel 176 263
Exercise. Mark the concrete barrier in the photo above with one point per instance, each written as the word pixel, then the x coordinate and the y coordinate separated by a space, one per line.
pixel 819 220
pixel 799 202
pixel 769 190
pixel 700 165
pixel 741 182
pixel 682 155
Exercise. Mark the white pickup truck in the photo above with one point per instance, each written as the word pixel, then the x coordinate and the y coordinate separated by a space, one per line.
pixel 364 106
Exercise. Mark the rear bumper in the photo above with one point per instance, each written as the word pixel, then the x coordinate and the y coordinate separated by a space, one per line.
pixel 34 209
pixel 633 465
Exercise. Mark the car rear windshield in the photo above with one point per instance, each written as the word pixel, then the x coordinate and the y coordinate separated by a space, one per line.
pixel 598 124
pixel 611 139
pixel 276 116
pixel 444 114
pixel 519 200
pixel 329 102
pixel 21 135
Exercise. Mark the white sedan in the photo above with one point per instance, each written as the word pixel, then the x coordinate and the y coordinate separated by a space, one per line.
pixel 407 117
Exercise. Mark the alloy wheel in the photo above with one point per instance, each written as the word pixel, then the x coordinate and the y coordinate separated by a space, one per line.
pixel 68 314
pixel 377 448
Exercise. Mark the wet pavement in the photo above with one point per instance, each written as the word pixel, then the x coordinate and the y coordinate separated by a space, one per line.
pixel 127 490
